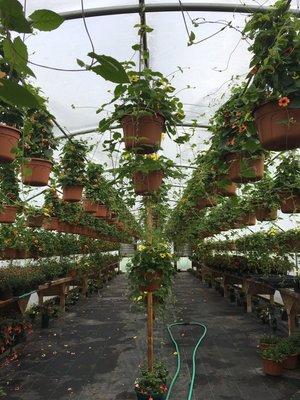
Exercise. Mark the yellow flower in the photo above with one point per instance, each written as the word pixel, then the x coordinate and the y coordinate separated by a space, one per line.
pixel 141 247
pixel 272 232
pixel 153 156
pixel 163 255
pixel 134 78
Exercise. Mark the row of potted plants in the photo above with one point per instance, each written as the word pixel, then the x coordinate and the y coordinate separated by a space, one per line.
pixel 17 241
pixel 19 280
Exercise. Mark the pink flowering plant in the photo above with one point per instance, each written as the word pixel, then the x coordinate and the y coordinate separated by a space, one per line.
pixel 154 383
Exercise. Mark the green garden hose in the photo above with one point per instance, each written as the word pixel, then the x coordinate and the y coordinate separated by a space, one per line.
pixel 191 387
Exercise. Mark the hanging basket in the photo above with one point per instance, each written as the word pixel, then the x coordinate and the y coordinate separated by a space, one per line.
pixel 102 211
pixel 35 221
pixel 227 190
pixel 248 219
pixel 272 368
pixel 290 202
pixel 208 202
pixel 145 184
pixel 51 224
pixel 8 214
pixel 154 396
pixel 153 282
pixel 266 214
pixel 89 206
pixel 143 134
pixel 36 172
pixel 274 129
pixel 72 193
pixel 9 138
pixel 239 166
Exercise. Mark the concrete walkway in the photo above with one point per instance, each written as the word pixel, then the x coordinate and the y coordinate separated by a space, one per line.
pixel 92 353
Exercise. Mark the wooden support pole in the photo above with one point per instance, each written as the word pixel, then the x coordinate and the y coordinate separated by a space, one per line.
pixel 225 287
pixel 150 330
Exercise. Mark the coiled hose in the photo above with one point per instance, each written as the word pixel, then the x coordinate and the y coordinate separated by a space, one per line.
pixel 191 387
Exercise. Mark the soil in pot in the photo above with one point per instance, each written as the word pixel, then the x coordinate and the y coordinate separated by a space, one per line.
pixel 243 169
pixel 36 172
pixel 274 129
pixel 147 183
pixel 290 203
pixel 291 362
pixel 143 134
pixel 272 368
pixel 9 138
pixel 266 214
pixel 72 193
pixel 8 214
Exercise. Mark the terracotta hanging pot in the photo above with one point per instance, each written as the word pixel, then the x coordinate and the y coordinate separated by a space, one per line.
pixel 227 190
pixel 237 164
pixel 34 221
pixel 72 193
pixel 36 172
pixel 291 362
pixel 145 184
pixel 153 282
pixel 9 138
pixel 102 211
pixel 248 219
pixel 8 214
pixel 51 223
pixel 143 134
pixel 266 214
pixel 89 206
pixel 278 127
pixel 272 368
pixel 290 202
pixel 208 202
pixel 9 254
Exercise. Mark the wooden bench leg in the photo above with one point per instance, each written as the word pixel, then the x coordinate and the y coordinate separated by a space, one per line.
pixel 249 303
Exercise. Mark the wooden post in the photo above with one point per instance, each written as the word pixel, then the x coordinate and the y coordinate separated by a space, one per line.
pixel 249 303
pixel 150 341
pixel 150 330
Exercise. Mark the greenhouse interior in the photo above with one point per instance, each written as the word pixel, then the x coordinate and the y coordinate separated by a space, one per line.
pixel 149 200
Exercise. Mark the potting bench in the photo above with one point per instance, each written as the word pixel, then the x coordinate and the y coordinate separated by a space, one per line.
pixel 59 287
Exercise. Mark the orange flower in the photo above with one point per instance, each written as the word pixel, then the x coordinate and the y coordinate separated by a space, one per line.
pixel 283 102
pixel 231 142
pixel 242 128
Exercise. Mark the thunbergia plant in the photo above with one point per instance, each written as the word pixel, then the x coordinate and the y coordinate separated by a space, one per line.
pixel 274 76
pixel 146 106
pixel 150 268
pixel 152 384
pixel 9 192
pixel 72 169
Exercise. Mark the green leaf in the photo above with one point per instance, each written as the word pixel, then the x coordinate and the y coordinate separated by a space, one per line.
pixel 110 69
pixel 12 16
pixel 17 95
pixel 80 63
pixel 46 20
pixel 136 47
pixel 15 53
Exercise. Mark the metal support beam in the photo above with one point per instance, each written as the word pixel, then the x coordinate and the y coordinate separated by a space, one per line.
pixel 94 129
pixel 167 7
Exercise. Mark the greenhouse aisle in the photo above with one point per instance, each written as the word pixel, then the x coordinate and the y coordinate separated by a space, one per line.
pixel 93 351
